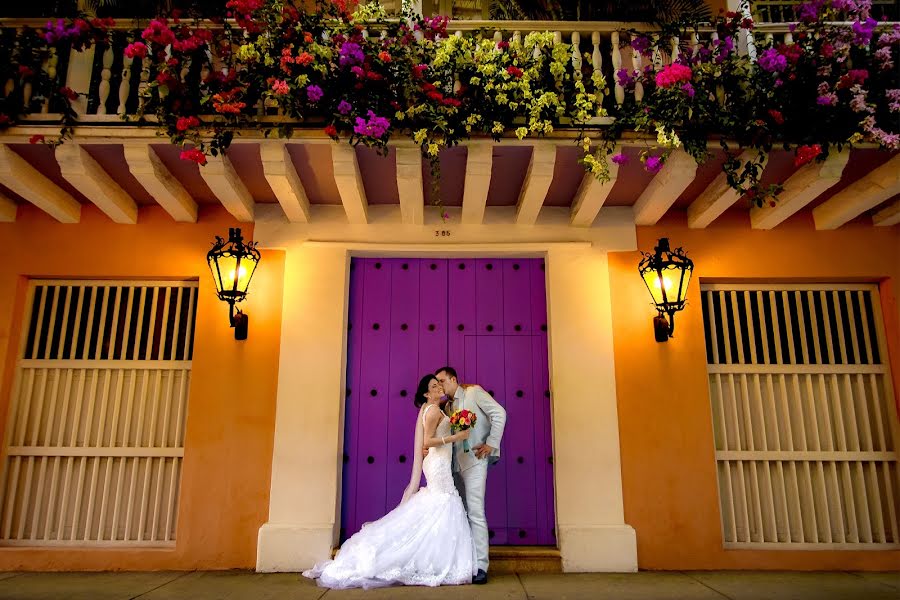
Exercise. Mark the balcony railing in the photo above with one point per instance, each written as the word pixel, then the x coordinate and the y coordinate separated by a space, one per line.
pixel 781 11
pixel 111 83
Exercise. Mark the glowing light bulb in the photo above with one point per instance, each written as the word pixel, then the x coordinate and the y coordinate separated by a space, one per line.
pixel 664 282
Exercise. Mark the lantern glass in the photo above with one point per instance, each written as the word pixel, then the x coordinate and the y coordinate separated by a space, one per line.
pixel 232 265
pixel 667 275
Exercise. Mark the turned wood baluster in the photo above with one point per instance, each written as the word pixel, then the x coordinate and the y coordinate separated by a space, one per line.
pixel 144 85
pixel 576 54
pixel 619 91
pixel 49 67
pixel 105 76
pixel 597 63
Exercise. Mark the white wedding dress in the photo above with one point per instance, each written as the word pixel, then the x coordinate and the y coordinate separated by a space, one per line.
pixel 426 540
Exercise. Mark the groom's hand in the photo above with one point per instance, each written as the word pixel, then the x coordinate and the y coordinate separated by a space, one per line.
pixel 424 451
pixel 483 450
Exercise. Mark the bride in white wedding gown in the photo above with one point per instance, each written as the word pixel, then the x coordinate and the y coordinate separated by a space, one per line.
pixel 426 540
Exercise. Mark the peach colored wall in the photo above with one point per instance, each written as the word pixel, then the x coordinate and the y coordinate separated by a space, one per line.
pixel 668 465
pixel 224 492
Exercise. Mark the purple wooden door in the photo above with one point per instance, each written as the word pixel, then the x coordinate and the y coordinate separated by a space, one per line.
pixel 411 316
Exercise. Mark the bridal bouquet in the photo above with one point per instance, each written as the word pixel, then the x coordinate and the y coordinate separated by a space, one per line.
pixel 462 420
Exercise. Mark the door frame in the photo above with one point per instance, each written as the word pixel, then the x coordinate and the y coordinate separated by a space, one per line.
pixel 304 499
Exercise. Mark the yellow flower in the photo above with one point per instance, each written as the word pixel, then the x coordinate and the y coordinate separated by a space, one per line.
pixel 497 128
pixel 248 52
pixel 586 143
pixel 400 115
pixel 433 149
pixel 521 132
pixel 420 136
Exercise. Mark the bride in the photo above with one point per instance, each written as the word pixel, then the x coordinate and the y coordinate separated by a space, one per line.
pixel 426 540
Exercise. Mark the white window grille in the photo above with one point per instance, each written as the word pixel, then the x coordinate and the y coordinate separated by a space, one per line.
pixel 803 415
pixel 95 433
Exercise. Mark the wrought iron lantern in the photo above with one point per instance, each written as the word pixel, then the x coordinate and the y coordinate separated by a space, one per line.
pixel 232 264
pixel 667 274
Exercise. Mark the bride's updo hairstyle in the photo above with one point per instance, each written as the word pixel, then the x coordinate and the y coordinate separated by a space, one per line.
pixel 419 398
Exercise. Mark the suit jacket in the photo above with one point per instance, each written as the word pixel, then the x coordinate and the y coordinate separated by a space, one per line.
pixel 489 423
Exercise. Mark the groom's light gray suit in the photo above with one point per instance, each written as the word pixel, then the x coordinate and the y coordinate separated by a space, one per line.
pixel 469 472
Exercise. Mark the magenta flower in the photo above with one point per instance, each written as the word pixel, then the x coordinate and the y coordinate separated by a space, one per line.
pixel 624 78
pixel 641 44
pixel 620 159
pixel 351 54
pixel 375 127
pixel 672 74
pixel 864 31
pixel 688 89
pixel 314 93
pixel 893 97
pixel 772 61
pixel 344 107
pixel 653 164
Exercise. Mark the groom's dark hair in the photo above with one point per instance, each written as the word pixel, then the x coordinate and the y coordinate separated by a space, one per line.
pixel 449 371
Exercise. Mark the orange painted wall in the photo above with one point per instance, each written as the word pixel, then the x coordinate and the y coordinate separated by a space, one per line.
pixel 668 465
pixel 231 407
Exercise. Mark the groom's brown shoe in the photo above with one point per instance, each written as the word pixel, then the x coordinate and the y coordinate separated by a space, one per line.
pixel 480 578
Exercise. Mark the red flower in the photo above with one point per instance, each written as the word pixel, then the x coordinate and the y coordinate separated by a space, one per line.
pixel 776 116
pixel 304 58
pixel 806 154
pixel 452 102
pixel 515 71
pixel 331 131
pixel 185 123
pixel 69 93
pixel 307 37
pixel 502 45
pixel 194 155
pixel 136 50
pixel 166 79
pixel 36 139
pixel 384 56
pixel 435 96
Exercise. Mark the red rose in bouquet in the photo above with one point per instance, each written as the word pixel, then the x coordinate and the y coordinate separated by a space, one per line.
pixel 462 420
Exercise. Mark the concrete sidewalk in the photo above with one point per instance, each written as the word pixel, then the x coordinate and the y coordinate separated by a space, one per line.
pixel 239 585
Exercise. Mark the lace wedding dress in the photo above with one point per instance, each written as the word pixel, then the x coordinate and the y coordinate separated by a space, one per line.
pixel 426 540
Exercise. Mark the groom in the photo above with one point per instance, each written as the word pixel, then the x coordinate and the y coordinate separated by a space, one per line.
pixel 470 468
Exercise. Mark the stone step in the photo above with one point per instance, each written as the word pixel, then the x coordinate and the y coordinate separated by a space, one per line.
pixel 525 559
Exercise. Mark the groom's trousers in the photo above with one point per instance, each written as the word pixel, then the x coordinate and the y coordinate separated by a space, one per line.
pixel 471 485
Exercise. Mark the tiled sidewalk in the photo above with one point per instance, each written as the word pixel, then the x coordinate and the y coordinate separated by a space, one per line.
pixel 238 585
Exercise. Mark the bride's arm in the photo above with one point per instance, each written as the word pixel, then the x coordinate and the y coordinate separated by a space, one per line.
pixel 416 477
